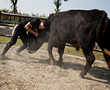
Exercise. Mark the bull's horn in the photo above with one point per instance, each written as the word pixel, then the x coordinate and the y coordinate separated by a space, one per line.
pixel 41 26
pixel 107 52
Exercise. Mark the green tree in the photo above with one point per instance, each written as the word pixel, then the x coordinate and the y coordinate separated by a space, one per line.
pixel 57 4
pixel 4 10
pixel 14 6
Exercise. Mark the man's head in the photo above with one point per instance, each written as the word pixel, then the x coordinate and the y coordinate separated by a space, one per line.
pixel 37 23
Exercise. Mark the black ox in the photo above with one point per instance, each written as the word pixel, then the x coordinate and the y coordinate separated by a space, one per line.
pixel 81 28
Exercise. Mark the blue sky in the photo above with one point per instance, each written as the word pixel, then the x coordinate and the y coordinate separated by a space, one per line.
pixel 46 6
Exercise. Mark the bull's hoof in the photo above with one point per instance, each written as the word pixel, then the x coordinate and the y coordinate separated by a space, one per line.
pixel 60 64
pixel 18 53
pixel 51 63
pixel 3 57
pixel 31 52
pixel 82 74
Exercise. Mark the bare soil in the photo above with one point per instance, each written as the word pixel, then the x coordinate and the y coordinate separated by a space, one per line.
pixel 32 72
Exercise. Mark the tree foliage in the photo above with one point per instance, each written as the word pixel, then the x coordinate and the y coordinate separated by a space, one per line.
pixel 58 4
pixel 4 10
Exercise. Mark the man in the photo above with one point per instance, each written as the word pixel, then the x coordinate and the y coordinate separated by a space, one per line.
pixel 22 30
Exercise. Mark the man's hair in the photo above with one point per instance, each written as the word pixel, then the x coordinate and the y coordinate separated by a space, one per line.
pixel 35 23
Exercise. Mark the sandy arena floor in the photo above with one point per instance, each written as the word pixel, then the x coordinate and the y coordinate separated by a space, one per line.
pixel 32 72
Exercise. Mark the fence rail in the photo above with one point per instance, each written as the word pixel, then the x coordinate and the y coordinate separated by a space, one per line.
pixel 97 49
pixel 10 19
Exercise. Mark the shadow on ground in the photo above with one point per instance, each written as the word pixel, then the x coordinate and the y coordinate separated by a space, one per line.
pixel 99 73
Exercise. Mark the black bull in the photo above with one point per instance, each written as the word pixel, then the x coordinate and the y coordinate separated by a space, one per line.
pixel 81 28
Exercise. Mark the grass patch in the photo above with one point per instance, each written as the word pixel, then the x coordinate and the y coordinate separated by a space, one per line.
pixel 5 40
pixel 73 51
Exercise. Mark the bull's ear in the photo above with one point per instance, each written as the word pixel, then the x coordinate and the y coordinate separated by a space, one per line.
pixel 41 26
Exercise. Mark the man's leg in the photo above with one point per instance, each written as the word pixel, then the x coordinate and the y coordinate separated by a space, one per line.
pixel 21 48
pixel 13 40
pixel 8 46
pixel 24 39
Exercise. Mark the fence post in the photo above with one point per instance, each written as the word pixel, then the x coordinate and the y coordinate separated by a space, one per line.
pixel 0 16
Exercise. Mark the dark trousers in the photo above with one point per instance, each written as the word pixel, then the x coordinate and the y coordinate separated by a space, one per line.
pixel 18 32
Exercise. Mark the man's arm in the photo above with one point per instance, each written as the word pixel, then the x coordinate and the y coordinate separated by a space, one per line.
pixel 28 28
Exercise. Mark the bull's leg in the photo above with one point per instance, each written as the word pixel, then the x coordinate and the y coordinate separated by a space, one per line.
pixel 21 49
pixel 51 58
pixel 90 58
pixel 107 59
pixel 24 40
pixel 61 52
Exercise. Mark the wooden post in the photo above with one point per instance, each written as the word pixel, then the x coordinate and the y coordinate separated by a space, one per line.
pixel 0 16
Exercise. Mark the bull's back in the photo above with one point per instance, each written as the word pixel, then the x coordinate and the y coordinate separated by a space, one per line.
pixel 67 24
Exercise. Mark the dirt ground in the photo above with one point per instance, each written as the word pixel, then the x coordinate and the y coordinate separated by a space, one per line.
pixel 32 72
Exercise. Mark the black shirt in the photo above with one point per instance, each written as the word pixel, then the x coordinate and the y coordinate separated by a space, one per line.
pixel 20 30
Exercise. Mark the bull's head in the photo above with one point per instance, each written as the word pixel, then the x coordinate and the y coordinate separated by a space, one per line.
pixel 35 43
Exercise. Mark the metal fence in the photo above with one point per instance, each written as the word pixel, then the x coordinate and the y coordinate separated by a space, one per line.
pixel 9 19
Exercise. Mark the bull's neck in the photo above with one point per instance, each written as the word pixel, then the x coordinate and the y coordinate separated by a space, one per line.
pixel 46 36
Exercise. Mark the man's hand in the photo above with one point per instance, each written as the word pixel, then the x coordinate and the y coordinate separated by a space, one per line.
pixel 28 26
pixel 35 34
